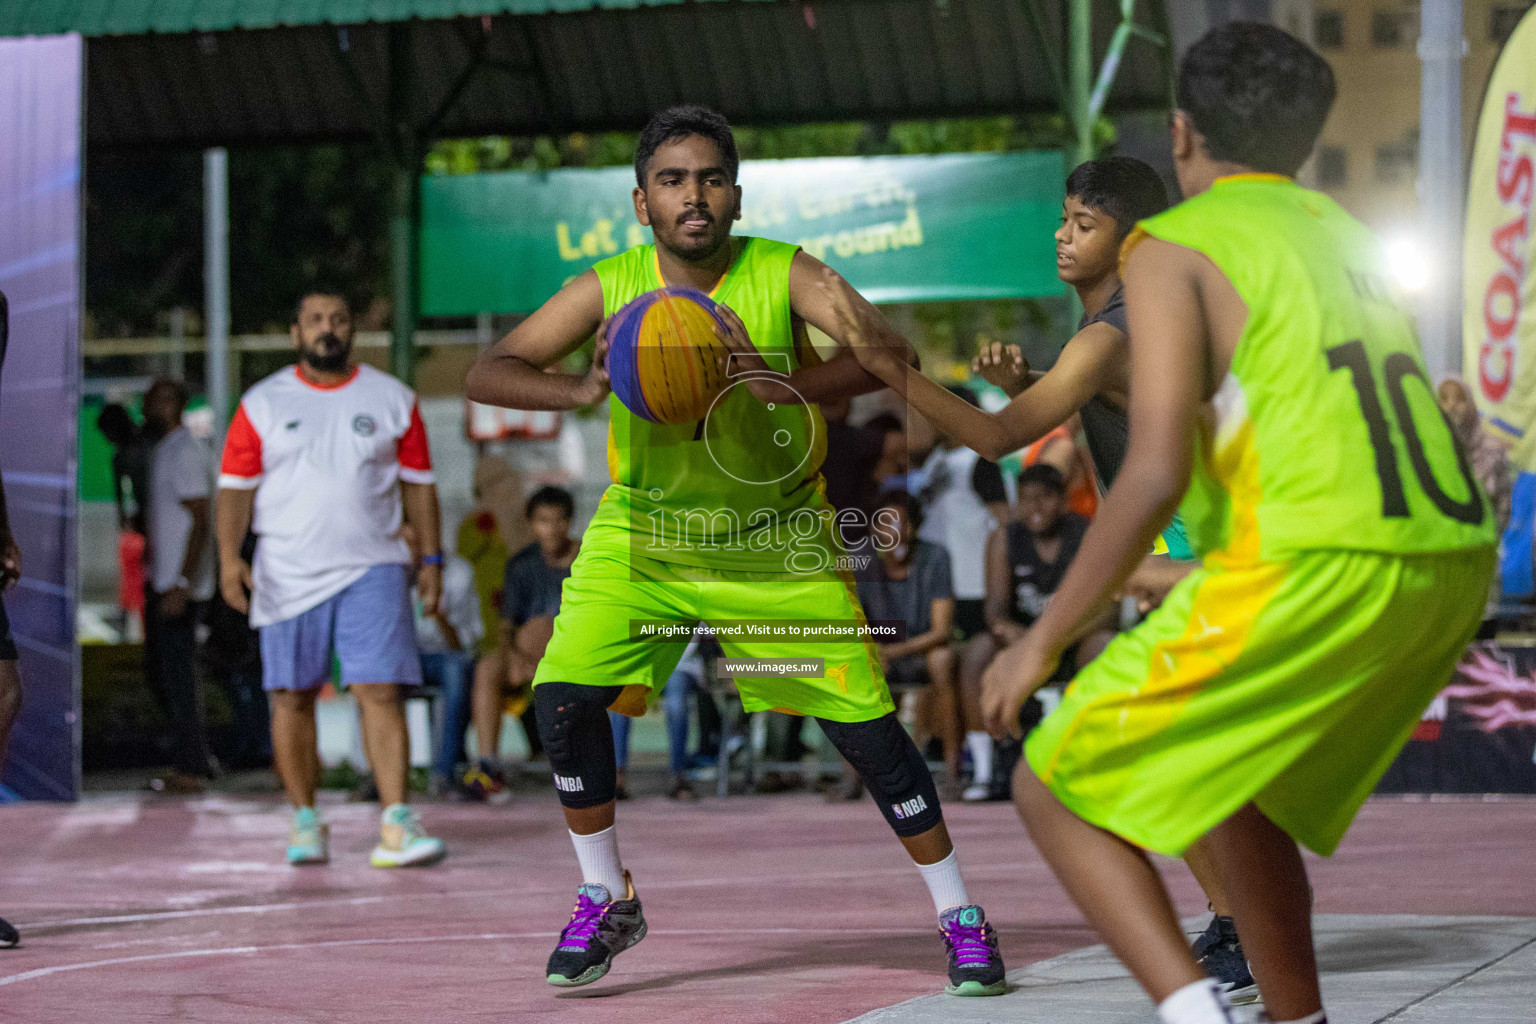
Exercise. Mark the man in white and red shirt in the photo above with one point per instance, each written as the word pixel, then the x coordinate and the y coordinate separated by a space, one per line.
pixel 326 461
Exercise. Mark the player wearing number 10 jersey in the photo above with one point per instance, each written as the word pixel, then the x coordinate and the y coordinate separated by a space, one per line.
pixel 1346 548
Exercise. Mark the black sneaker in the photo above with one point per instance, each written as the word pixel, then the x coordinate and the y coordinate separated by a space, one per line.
pixel 8 936
pixel 1218 928
pixel 1221 955
pixel 600 929
pixel 975 965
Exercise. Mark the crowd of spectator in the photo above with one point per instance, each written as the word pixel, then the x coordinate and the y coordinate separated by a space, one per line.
pixel 959 601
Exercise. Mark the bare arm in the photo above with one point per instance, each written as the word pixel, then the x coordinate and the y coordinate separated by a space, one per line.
pixel 174 601
pixel 838 377
pixel 421 513
pixel 999 581
pixel 232 520
pixel 200 509
pixel 1085 368
pixel 511 372
pixel 1064 389
pixel 841 375
pixel 1170 326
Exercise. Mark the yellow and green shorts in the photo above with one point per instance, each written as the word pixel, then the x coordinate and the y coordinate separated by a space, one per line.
pixel 610 585
pixel 1290 684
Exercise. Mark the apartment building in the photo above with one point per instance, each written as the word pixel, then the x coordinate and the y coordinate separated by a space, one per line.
pixel 1368 156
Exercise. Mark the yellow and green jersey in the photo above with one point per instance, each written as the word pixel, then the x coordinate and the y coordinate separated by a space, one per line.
pixel 1326 433
pixel 740 489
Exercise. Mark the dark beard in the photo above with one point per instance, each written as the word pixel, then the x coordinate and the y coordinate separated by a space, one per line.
pixel 332 358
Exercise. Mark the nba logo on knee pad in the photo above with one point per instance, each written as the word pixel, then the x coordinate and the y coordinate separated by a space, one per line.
pixel 906 808
pixel 568 784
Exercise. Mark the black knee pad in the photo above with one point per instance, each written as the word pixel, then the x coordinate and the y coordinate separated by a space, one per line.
pixel 892 769
pixel 574 729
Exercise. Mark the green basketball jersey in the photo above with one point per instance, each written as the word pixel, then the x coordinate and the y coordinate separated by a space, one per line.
pixel 1327 433
pixel 741 489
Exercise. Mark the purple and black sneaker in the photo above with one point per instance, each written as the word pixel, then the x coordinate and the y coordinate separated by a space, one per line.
pixel 600 929
pixel 975 965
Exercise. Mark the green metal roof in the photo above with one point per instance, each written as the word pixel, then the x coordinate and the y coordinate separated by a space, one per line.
pixel 136 17
pixel 254 72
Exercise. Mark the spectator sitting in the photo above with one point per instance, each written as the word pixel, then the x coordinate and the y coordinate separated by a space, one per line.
pixel 909 582
pixel 495 527
pixel 530 601
pixel 1026 561
pixel 1489 460
pixel 1490 465
pixel 856 456
pixel 686 678
pixel 448 641
pixel 964 497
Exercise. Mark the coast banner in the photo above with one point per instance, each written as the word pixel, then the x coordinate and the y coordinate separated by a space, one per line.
pixel 1499 310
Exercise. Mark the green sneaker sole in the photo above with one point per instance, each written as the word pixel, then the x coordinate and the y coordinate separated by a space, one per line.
pixel 976 988
pixel 586 977
pixel 596 971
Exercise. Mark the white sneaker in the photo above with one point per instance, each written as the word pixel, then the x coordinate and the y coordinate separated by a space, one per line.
pixel 976 792
pixel 403 842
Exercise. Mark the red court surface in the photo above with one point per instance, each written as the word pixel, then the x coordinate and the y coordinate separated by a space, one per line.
pixel 760 908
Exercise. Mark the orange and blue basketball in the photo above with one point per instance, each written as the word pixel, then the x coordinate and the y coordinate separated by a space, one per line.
pixel 664 359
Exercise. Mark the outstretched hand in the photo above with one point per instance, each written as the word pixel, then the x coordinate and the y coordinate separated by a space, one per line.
pixel 1003 366
pixel 1013 677
pixel 741 356
pixel 738 343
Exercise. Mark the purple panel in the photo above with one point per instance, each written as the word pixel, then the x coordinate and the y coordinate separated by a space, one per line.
pixel 40 158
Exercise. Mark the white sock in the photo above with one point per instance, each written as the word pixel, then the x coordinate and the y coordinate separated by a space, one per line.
pixel 1317 1018
pixel 1199 1002
pixel 980 746
pixel 945 884
pixel 599 857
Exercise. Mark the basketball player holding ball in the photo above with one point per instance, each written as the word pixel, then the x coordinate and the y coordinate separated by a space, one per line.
pixel 722 520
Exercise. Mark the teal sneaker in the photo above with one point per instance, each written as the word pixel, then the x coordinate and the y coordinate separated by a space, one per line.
pixel 309 840
pixel 403 842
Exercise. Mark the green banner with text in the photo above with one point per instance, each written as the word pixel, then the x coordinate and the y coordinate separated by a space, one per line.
pixel 900 228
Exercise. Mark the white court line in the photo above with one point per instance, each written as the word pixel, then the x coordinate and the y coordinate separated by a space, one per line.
pixel 44 972
pixel 684 883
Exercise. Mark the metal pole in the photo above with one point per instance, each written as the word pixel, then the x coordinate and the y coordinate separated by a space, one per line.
pixel 177 360
pixel 1080 76
pixel 216 286
pixel 407 154
pixel 402 234
pixel 1441 184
